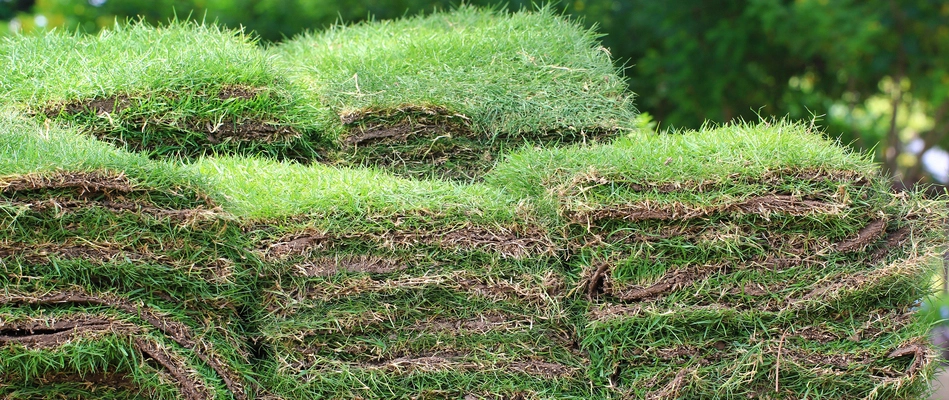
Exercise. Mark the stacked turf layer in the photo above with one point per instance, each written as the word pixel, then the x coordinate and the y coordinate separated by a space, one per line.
pixel 119 277
pixel 444 94
pixel 387 288
pixel 181 89
pixel 748 260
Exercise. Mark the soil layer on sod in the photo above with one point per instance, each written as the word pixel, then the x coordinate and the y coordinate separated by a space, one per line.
pixel 739 261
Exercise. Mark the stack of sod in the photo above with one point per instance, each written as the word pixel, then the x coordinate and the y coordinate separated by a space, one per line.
pixel 392 288
pixel 741 261
pixel 182 89
pixel 442 95
pixel 119 275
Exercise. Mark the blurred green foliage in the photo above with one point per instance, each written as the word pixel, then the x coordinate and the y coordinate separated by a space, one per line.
pixel 874 71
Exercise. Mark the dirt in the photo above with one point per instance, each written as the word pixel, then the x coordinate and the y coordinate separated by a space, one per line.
pixel 671 390
pixel 460 361
pixel 176 331
pixel 44 335
pixel 769 178
pixel 378 126
pixel 594 285
pixel 487 322
pixel 239 92
pixel 894 240
pixel 59 206
pixel 186 380
pixel 99 106
pixel 83 184
pixel 332 265
pixel 91 380
pixel 245 130
pixel 761 205
pixel 521 287
pixel 866 236
pixel 921 355
pixel 511 243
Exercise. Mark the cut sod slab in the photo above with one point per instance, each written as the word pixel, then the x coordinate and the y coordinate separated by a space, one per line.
pixel 444 94
pixel 181 89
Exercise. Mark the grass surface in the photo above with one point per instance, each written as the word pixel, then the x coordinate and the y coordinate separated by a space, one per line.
pixel 739 260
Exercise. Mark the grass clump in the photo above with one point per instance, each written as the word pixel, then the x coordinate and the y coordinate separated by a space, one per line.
pixel 182 89
pixel 444 94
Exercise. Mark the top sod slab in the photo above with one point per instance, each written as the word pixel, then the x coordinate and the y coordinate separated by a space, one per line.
pixel 527 73
pixel 441 95
pixel 181 89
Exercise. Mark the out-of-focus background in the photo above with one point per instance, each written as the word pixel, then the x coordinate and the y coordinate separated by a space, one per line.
pixel 874 73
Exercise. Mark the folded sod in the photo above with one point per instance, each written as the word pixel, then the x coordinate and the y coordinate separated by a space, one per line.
pixel 706 258
pixel 444 94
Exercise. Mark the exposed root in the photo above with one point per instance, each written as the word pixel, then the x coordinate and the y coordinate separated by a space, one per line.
pixel 220 270
pixel 922 354
pixel 671 390
pixel 676 278
pixel 487 322
pixel 760 205
pixel 894 240
pixel 864 237
pixel 329 266
pixel 462 362
pixel 61 206
pixel 244 130
pixel 610 312
pixel 523 288
pixel 188 383
pixel 512 243
pixel 672 281
pixel 46 335
pixel 90 380
pixel 399 124
pixel 84 184
pixel 771 178
pixel 174 330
